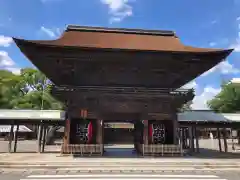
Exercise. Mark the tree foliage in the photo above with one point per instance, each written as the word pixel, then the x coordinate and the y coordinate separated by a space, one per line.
pixel 228 100
pixel 186 107
pixel 29 90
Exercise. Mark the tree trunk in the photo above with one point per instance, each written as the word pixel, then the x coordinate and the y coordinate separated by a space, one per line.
pixel 50 135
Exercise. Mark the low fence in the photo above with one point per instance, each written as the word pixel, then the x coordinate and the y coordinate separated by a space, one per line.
pixel 162 150
pixel 82 149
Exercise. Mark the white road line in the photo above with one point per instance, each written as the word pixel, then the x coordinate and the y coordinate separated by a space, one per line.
pixel 122 175
pixel 128 168
pixel 128 178
pixel 125 165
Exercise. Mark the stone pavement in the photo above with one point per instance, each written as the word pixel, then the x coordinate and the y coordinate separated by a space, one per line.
pixel 35 158
pixel 44 162
pixel 57 157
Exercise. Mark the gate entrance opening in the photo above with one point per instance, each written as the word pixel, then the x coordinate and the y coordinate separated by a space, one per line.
pixel 119 139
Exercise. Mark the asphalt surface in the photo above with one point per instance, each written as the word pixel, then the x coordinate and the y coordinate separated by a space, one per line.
pixel 31 146
pixel 63 174
pixel 168 175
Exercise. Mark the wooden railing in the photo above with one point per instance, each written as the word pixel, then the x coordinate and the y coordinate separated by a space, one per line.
pixel 122 90
pixel 162 150
pixel 82 149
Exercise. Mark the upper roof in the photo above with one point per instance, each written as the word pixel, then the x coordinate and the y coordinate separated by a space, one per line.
pixel 119 38
pixel 106 56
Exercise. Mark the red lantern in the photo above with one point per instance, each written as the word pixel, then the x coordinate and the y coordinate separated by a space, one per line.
pixel 150 130
pixel 90 132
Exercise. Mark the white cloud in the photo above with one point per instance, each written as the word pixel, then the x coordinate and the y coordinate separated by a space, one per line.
pixel 236 44
pixel 5 60
pixel 212 44
pixel 14 70
pixel 235 80
pixel 7 63
pixel 51 32
pixel 224 68
pixel 200 101
pixel 5 41
pixel 118 9
pixel 214 21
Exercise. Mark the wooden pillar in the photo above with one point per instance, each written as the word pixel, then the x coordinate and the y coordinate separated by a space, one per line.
pixel 66 139
pixel 188 138
pixel 40 131
pixel 44 138
pixel 225 140
pixel 99 138
pixel 197 139
pixel 135 135
pixel 102 123
pixel 15 138
pixel 233 146
pixel 219 140
pixel 10 138
pixel 175 130
pixel 181 138
pixel 191 138
pixel 98 132
pixel 145 132
pixel 185 138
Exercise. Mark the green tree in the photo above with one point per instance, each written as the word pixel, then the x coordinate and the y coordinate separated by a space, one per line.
pixel 35 92
pixel 29 90
pixel 10 89
pixel 186 107
pixel 228 100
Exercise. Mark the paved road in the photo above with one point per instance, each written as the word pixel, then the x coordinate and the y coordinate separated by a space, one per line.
pixel 31 146
pixel 119 176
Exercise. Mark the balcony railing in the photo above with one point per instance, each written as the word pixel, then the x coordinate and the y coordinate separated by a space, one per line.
pixel 122 90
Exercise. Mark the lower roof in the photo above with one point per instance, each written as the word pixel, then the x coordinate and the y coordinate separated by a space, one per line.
pixel 57 115
pixel 7 128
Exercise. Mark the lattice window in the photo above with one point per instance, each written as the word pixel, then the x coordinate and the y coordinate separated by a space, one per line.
pixel 159 133
pixel 82 132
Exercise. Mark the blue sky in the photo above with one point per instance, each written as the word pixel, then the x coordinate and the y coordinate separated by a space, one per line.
pixel 201 23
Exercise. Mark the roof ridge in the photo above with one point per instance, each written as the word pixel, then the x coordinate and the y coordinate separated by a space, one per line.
pixel 121 30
